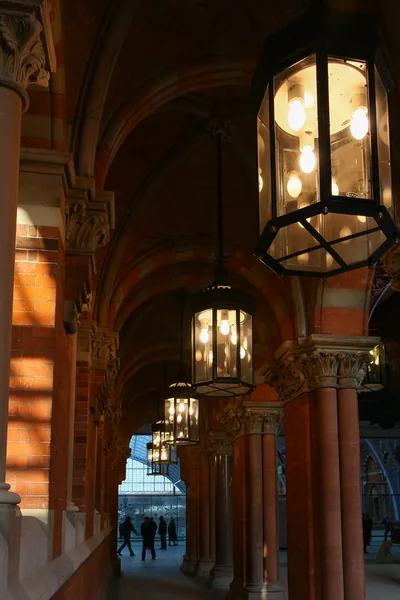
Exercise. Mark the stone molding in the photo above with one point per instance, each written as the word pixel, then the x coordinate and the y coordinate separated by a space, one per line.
pixel 218 444
pixel 248 418
pixel 27 53
pixel 318 361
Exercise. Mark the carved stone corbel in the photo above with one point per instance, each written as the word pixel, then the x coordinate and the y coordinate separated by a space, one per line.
pixel 273 422
pixel 232 420
pixel 104 349
pixel 89 219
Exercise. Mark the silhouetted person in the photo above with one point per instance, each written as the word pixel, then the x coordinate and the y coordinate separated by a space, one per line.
pixel 147 531
pixel 162 532
pixel 125 532
pixel 369 528
pixel 172 537
pixel 365 537
pixel 388 526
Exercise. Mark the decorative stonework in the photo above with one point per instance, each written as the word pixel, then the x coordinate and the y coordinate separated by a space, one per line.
pixel 218 444
pixel 318 361
pixel 232 419
pixel 273 422
pixel 251 418
pixel 104 350
pixel 88 223
pixel 253 422
pixel 22 55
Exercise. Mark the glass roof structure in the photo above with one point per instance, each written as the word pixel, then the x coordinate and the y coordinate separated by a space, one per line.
pixel 139 452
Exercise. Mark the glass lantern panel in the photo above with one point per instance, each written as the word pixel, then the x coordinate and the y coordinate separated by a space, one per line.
pixel 359 249
pixel 194 419
pixel 318 260
pixel 246 347
pixel 349 128
pixel 293 238
pixel 382 118
pixel 226 343
pixel 296 132
pixel 264 163
pixel 336 226
pixel 181 419
pixel 165 453
pixel 203 347
pixel 169 419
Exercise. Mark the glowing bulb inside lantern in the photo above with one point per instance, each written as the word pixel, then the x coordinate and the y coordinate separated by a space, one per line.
pixel 234 338
pixel 171 410
pixel 344 232
pixel 362 218
pixel 387 197
pixel 307 159
pixel 181 407
pixel 180 434
pixel 179 419
pixel 303 259
pixel 359 123
pixel 204 336
pixel 260 181
pixel 242 352
pixel 335 187
pixel 296 114
pixel 294 185
pixel 224 329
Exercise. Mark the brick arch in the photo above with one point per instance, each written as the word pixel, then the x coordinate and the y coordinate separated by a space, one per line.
pixel 214 72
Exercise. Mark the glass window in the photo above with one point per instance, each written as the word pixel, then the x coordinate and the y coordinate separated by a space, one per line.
pixel 246 347
pixel 264 163
pixel 203 346
pixel 226 343
pixel 382 117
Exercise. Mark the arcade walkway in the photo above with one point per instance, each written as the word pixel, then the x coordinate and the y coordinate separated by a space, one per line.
pixel 162 580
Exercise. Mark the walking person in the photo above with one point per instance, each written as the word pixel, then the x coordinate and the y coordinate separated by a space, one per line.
pixel 125 530
pixel 172 537
pixel 388 526
pixel 147 531
pixel 162 532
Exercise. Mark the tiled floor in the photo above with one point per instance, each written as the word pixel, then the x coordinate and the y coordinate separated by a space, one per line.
pixel 161 579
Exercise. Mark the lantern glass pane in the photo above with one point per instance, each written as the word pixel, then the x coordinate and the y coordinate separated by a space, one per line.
pixel 296 133
pixel 313 261
pixel 194 419
pixel 293 238
pixel 181 418
pixel 169 418
pixel 382 118
pixel 264 163
pixel 246 347
pixel 226 343
pixel 349 128
pixel 203 347
pixel 361 248
pixel 338 226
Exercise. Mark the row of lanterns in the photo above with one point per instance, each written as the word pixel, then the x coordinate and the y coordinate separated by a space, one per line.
pixel 325 195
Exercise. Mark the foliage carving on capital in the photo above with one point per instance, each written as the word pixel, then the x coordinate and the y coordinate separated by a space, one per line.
pixel 288 378
pixel 232 419
pixel 323 369
pixel 273 422
pixel 22 55
pixel 104 350
pixel 352 369
pixel 254 421
pixel 87 227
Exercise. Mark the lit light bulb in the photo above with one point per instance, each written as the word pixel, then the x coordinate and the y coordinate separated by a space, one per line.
pixel 303 259
pixel 210 356
pixel 181 407
pixel 307 159
pixel 234 337
pixel 179 419
pixel 297 114
pixel 164 455
pixel 335 187
pixel 260 180
pixel 242 352
pixel 359 123
pixel 344 232
pixel 190 411
pixel 362 218
pixel 294 185
pixel 204 336
pixel 180 434
pixel 224 329
pixel 387 197
pixel 199 356
pixel 171 410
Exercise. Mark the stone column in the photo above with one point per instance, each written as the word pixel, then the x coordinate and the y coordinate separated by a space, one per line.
pixel 222 573
pixel 272 427
pixel 352 368
pixel 22 62
pixel 190 473
pixel 206 561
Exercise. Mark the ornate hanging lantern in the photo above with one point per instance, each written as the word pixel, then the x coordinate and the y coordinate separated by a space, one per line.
pixel 375 377
pixel 160 453
pixel 182 414
pixel 324 172
pixel 222 327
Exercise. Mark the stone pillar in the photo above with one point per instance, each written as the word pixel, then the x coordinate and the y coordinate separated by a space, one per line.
pixel 272 427
pixel 206 561
pixel 352 370
pixel 22 62
pixel 222 573
pixel 190 473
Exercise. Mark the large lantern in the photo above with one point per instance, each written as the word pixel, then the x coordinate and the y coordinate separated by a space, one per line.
pixel 324 173
pixel 182 415
pixel 222 327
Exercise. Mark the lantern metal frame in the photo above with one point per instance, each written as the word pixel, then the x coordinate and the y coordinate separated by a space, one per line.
pixel 375 376
pixel 220 296
pixel 176 393
pixel 323 34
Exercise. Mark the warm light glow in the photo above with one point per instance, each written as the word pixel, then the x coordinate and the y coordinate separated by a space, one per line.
pixel 335 187
pixel 296 114
pixel 260 180
pixel 303 259
pixel 307 159
pixel 224 329
pixel 180 434
pixel 234 337
pixel 204 336
pixel 171 410
pixel 359 123
pixel 190 411
pixel 179 419
pixel 387 197
pixel 181 407
pixel 210 357
pixel 344 232
pixel 329 260
pixel 294 185
pixel 199 356
pixel 303 205
pixel 362 218
pixel 308 100
pixel 242 352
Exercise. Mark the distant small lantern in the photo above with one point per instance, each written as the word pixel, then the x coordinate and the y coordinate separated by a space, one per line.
pixel 324 172
pixel 160 453
pixel 375 377
pixel 182 415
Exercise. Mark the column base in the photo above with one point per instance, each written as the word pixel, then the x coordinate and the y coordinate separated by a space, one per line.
pixel 189 566
pixel 7 497
pixel 205 567
pixel 275 592
pixel 220 577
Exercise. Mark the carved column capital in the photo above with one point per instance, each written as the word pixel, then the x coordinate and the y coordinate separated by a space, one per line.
pixel 89 218
pixel 273 422
pixel 27 52
pixel 352 369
